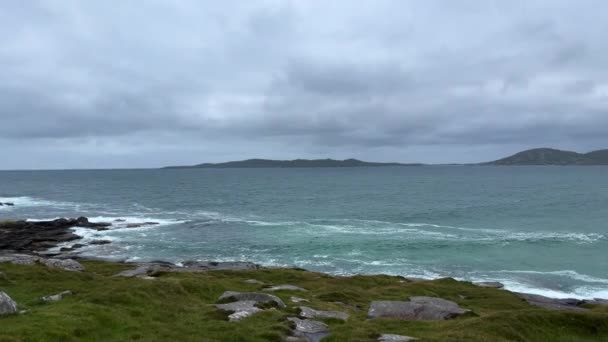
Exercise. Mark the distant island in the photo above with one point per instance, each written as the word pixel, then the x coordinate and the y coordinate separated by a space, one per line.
pixel 550 156
pixel 536 156
pixel 304 163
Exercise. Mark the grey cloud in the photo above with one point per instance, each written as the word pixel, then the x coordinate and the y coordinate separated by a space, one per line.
pixel 141 81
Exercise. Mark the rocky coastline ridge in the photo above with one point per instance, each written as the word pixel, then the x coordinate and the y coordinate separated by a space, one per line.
pixel 28 242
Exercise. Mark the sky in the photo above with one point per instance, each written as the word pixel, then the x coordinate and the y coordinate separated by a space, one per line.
pixel 150 83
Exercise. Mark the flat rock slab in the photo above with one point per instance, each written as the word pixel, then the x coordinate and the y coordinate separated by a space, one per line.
pixel 395 338
pixel 552 303
pixel 297 299
pixel 192 266
pixel 254 281
pixel 489 284
pixel 25 259
pixel 314 331
pixel 57 297
pixel 285 288
pixel 417 308
pixel 252 296
pixel 64 264
pixel 7 304
pixel 240 309
pixel 307 312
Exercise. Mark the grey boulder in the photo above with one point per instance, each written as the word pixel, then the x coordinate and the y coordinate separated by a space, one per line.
pixel 395 338
pixel 63 264
pixel 307 312
pixel 252 296
pixel 417 308
pixel 285 288
pixel 309 330
pixel 56 297
pixel 489 284
pixel 240 309
pixel 7 304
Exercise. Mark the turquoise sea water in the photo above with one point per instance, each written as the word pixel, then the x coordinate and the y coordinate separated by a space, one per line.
pixel 536 229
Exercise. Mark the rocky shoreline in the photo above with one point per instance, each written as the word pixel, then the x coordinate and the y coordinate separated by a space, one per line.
pixel 28 242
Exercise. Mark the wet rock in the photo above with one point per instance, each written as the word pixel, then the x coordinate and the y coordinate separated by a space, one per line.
pixel 240 309
pixel 297 299
pixel 8 204
pixel 57 297
pixel 119 220
pixel 489 284
pixel 254 281
pixel 32 236
pixel 307 312
pixel 100 242
pixel 285 288
pixel 63 264
pixel 417 308
pixel 193 266
pixel 7 304
pixel 77 245
pixel 552 303
pixel 151 223
pixel 395 338
pixel 252 296
pixel 314 331
pixel 66 249
pixel 134 225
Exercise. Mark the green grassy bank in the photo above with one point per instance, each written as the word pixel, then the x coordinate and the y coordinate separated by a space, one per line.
pixel 178 307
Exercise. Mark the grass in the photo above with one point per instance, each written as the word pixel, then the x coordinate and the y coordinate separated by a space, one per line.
pixel 179 306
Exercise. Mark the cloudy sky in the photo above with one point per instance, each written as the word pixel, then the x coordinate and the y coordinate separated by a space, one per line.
pixel 105 84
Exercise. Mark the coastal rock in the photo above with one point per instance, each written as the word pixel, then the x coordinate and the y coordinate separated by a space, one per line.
pixel 7 304
pixel 417 308
pixel 309 330
pixel 395 338
pixel 552 303
pixel 240 309
pixel 489 284
pixel 56 297
pixel 64 264
pixel 307 312
pixel 192 266
pixel 100 242
pixel 8 204
pixel 595 301
pixel 252 296
pixel 254 281
pixel 34 236
pixel 285 288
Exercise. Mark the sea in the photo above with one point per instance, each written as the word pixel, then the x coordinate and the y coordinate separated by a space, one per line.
pixel 536 229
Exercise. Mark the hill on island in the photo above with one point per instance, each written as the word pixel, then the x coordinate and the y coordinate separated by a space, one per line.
pixel 550 156
pixel 268 163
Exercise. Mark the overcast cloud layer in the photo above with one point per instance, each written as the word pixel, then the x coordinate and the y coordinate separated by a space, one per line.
pixel 103 84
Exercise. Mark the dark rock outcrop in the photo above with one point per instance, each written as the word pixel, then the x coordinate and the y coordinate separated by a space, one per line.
pixel 417 308
pixel 34 236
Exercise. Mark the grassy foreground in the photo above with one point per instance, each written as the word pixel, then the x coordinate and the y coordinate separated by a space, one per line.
pixel 178 306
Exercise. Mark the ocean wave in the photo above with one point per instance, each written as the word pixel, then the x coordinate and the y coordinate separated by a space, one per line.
pixel 563 273
pixel 26 201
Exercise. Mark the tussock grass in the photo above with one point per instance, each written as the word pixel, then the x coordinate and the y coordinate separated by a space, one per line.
pixel 179 306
